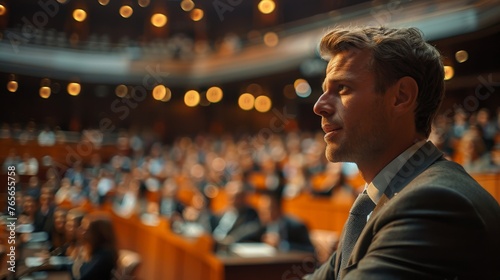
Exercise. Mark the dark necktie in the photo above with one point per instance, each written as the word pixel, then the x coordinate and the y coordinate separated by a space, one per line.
pixel 354 225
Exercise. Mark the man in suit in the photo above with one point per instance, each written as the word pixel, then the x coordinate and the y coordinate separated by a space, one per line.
pixel 277 229
pixel 420 216
pixel 238 217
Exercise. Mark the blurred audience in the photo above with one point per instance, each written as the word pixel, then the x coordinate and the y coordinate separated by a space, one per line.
pixel 177 181
pixel 277 229
pixel 233 222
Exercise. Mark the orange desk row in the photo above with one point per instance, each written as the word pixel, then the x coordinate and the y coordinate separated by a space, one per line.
pixel 166 255
pixel 63 155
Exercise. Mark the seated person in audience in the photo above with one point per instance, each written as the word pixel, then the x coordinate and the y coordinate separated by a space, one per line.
pixel 76 174
pixel 127 200
pixel 46 137
pixel 30 207
pixel 65 192
pixel 100 254
pixel 73 238
pixel 476 158
pixel 33 188
pixel 233 222
pixel 197 217
pixel 169 205
pixel 28 165
pixel 105 184
pixel 79 195
pixel 44 217
pixel 12 159
pixel 57 235
pixel 277 229
pixel 93 196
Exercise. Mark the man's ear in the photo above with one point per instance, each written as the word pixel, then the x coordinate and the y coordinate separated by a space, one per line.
pixel 406 94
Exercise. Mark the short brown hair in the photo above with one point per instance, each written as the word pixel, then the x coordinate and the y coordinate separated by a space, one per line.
pixel 396 53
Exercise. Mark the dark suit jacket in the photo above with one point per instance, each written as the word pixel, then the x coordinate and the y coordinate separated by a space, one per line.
pixel 99 267
pixel 44 222
pixel 238 232
pixel 433 222
pixel 178 208
pixel 292 230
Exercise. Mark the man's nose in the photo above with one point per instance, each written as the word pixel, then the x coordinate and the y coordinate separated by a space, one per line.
pixel 324 106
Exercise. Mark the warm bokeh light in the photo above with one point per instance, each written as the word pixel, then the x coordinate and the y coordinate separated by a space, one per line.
pixel 263 103
pixel 79 15
pixel 246 101
pixel 121 91
pixel 271 39
pixel 302 88
pixel 143 3
pixel 62 1
pixel 74 89
pixel 12 86
pixel 159 20
pixel 45 92
pixel 449 72
pixel 266 6
pixel 461 56
pixel 192 98
pixel 104 2
pixel 197 14
pixel 168 95
pixel 159 92
pixel 214 94
pixel 3 10
pixel 126 11
pixel 187 5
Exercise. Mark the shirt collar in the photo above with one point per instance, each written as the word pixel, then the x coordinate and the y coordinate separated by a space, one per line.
pixel 376 188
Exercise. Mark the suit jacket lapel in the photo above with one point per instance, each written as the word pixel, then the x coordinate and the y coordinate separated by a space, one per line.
pixel 421 160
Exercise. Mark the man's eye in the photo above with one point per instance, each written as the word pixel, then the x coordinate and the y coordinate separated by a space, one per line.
pixel 342 88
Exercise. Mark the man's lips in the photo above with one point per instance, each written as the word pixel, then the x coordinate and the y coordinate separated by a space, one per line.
pixel 330 131
pixel 327 128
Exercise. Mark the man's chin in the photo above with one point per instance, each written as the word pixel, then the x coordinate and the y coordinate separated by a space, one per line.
pixel 333 154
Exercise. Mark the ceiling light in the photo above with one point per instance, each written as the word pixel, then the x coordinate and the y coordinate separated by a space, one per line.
pixel 266 6
pixel 192 98
pixel 263 103
pixel 44 92
pixel 3 10
pixel 159 20
pixel 187 5
pixel 449 72
pixel 197 14
pixel 461 56
pixel 79 15
pixel 143 3
pixel 246 101
pixel 126 11
pixel 74 89
pixel 214 94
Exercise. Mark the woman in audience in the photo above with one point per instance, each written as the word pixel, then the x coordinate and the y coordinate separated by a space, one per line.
pixel 73 240
pixel 58 233
pixel 99 252
pixel 476 157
